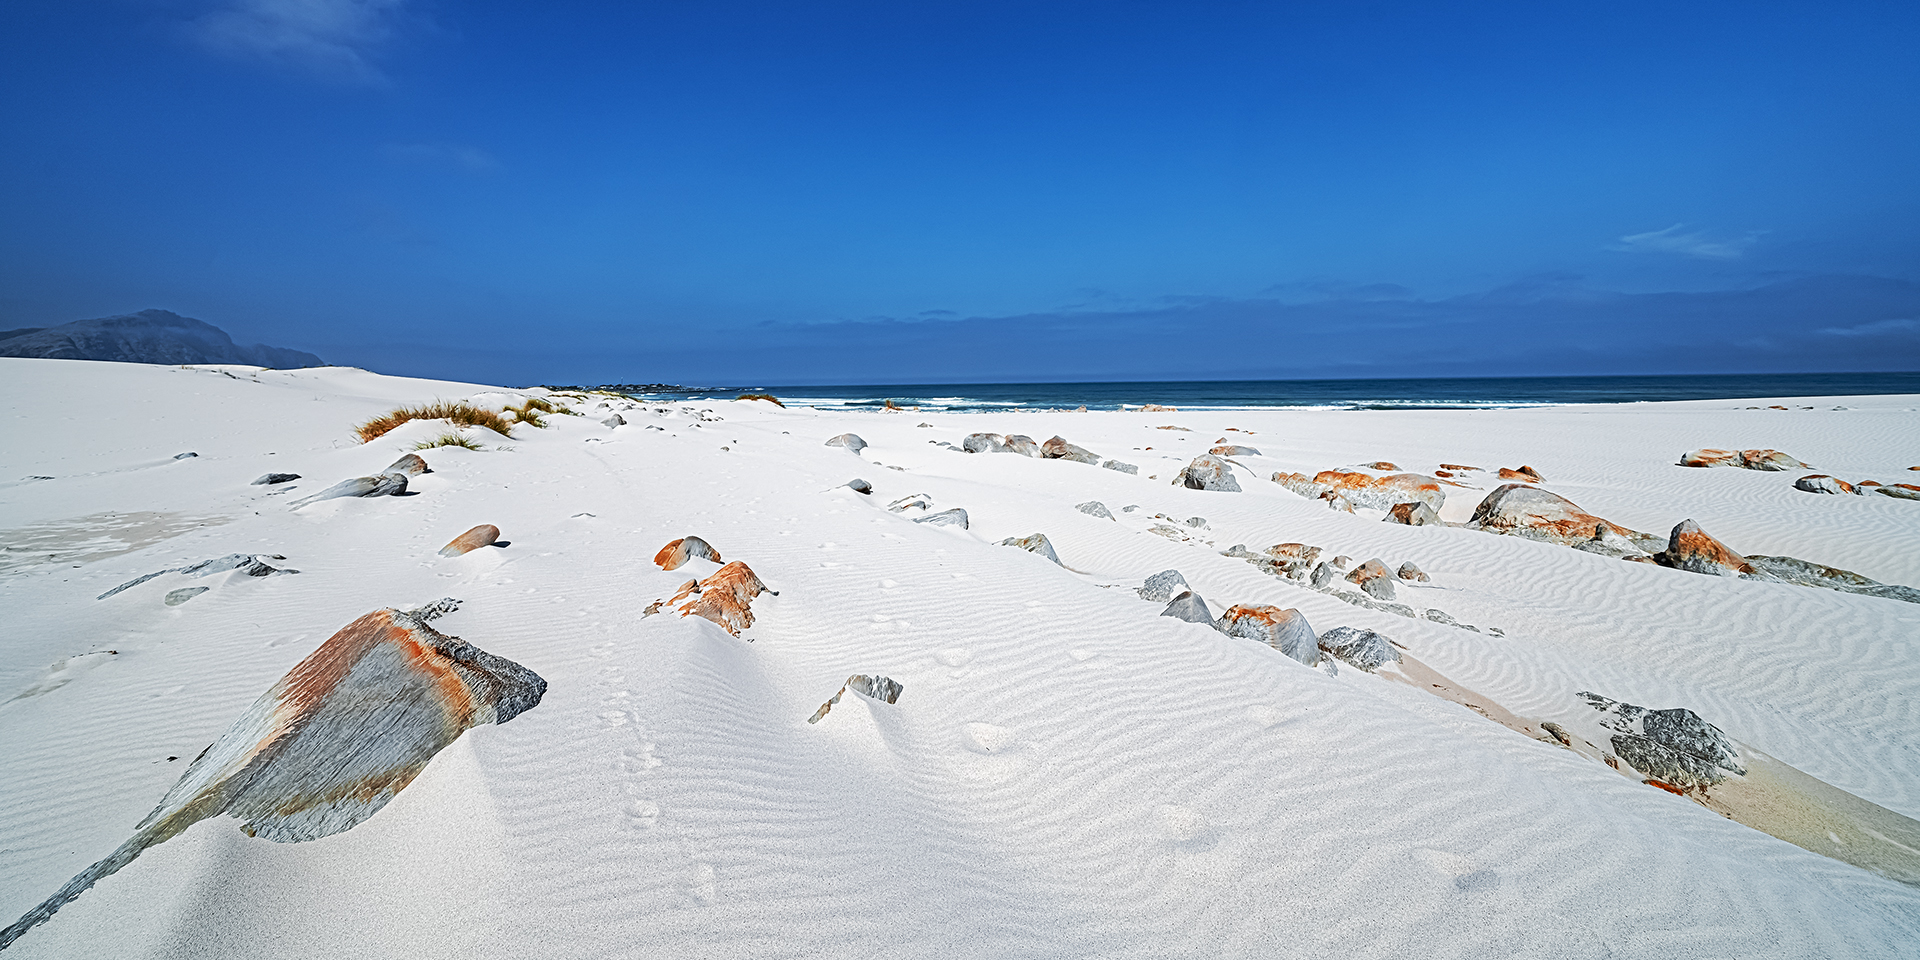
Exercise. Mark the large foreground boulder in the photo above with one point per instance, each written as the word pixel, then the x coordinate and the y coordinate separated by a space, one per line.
pixel 1525 511
pixel 328 745
pixel 1208 472
pixel 1284 630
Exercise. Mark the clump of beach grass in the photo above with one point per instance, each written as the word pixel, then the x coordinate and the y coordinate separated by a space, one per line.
pixel 461 415
pixel 451 438
pixel 529 412
pixel 761 396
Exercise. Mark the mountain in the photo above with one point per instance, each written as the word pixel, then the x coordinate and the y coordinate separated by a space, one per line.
pixel 150 336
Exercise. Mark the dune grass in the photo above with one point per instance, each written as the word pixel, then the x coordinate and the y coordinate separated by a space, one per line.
pixel 451 438
pixel 529 412
pixel 461 414
pixel 761 396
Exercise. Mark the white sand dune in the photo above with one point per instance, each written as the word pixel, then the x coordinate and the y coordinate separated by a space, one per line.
pixel 1066 772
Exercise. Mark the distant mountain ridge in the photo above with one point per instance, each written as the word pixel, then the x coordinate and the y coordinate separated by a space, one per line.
pixel 150 336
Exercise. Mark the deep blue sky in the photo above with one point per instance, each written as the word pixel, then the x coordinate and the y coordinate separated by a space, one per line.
pixel 784 193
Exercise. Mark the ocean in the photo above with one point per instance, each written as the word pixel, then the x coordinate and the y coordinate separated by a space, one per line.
pixel 1438 393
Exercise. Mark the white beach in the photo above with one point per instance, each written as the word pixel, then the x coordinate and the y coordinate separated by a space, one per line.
pixel 1066 772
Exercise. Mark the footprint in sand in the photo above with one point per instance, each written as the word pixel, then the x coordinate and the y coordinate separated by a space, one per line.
pixel 1264 716
pixel 643 814
pixel 705 886
pixel 954 656
pixel 1082 655
pixel 986 737
pixel 1183 826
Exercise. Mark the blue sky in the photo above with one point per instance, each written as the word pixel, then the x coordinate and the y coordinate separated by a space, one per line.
pixel 787 193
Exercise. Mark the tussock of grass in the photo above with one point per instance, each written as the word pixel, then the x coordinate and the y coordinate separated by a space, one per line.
pixel 449 439
pixel 461 414
pixel 761 396
pixel 529 412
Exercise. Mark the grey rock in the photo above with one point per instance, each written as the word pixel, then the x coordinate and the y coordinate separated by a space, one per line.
pixel 984 443
pixel 1284 630
pixel 273 478
pixel 1023 446
pixel 1094 508
pixel 883 689
pixel 1362 648
pixel 182 595
pixel 1900 491
pixel 1239 551
pixel 1323 575
pixel 1188 606
pixel 1413 515
pixel 1379 588
pixel 912 501
pixel 1122 467
pixel 1374 569
pixel 253 564
pixel 1340 562
pixel 615 421
pixel 1035 543
pixel 384 485
pixel 1162 586
pixel 955 517
pixel 408 466
pixel 858 485
pixel 1674 746
pixel 189 455
pixel 150 336
pixel 1196 522
pixel 1441 616
pixel 1809 574
pixel 1208 472
pixel 851 441
pixel 1408 571
pixel 1059 449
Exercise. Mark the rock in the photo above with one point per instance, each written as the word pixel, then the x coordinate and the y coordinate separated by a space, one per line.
pixel 1441 616
pixel 1382 465
pixel 189 455
pixel 1524 511
pixel 1408 571
pixel 1903 491
pixel 1524 473
pixel 725 598
pixel 858 485
pixel 1379 588
pixel 1294 551
pixel 1059 449
pixel 182 595
pixel 1188 606
pixel 1768 460
pixel 615 421
pixel 883 689
pixel 1689 548
pixel 1208 472
pixel 1036 543
pixel 675 555
pixel 1382 493
pixel 1821 483
pixel 383 485
pixel 1284 630
pixel 1458 467
pixel 1675 747
pixel 955 517
pixel 1373 569
pixel 1239 551
pixel 1023 446
pixel 912 501
pixel 1094 508
pixel 273 478
pixel 1413 515
pixel 252 564
pixel 1157 408
pixel 1162 586
pixel 1361 648
pixel 1809 574
pixel 1232 450
pixel 328 745
pixel 1323 575
pixel 1301 484
pixel 984 443
pixel 1340 562
pixel 480 536
pixel 408 466
pixel 851 441
pixel 1608 543
pixel 1122 467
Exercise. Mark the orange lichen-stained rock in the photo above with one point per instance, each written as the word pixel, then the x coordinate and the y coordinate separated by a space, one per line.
pixel 328 745
pixel 1768 460
pixel 1208 472
pixel 1821 483
pixel 1689 548
pixel 1522 473
pixel 1457 467
pixel 724 597
pixel 1381 465
pixel 1300 483
pixel 1156 408
pixel 1413 514
pixel 480 536
pixel 410 465
pixel 675 555
pixel 1523 511
pixel 1284 630
pixel 1059 449
pixel 1382 493
pixel 1904 491
pixel 1710 457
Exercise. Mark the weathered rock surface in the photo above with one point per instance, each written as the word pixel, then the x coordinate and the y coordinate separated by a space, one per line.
pixel 1809 574
pixel 955 517
pixel 675 555
pixel 984 443
pixel 1035 543
pixel 1523 473
pixel 883 689
pixel 177 597
pixel 382 485
pixel 851 441
pixel 1323 576
pixel 328 745
pixel 1410 572
pixel 1187 605
pixel 410 465
pixel 1284 630
pixel 615 421
pixel 480 536
pixel 1094 508
pixel 1366 490
pixel 1523 511
pixel 1059 449
pixel 858 485
pixel 1335 501
pixel 912 501
pixel 1373 569
pixel 1208 472
pixel 1122 467
pixel 252 564
pixel 1300 484
pixel 1362 648
pixel 1689 548
pixel 273 478
pixel 1379 588
pixel 1903 491
pixel 1233 450
pixel 1768 460
pixel 1024 446
pixel 1458 467
pixel 725 598
pixel 1675 747
pixel 1162 586
pixel 1821 483
pixel 1413 515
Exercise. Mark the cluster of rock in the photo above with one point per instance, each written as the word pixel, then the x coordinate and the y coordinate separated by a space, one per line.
pixel 249 564
pixel 919 508
pixel 1772 461
pixel 724 597
pixel 1283 629
pixel 390 482
pixel 1347 489
pixel 1056 448
pixel 1673 749
pixel 1821 483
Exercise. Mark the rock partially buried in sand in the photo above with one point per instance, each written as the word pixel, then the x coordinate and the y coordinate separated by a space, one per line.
pixel 382 485
pixel 1037 543
pixel 851 441
pixel 1373 569
pixel 1187 605
pixel 1362 648
pixel 408 466
pixel 1162 586
pixel 1523 473
pixel 1059 449
pixel 481 536
pixel 1768 460
pixel 883 689
pixel 327 746
pixel 1809 574
pixel 273 478
pixel 1689 548
pixel 182 595
pixel 1413 515
pixel 1323 576
pixel 1523 511
pixel 1094 508
pixel 984 443
pixel 955 517
pixel 1902 491
pixel 1378 493
pixel 724 598
pixel 252 564
pixel 1232 450
pixel 1284 630
pixel 615 421
pixel 675 555
pixel 858 485
pixel 1122 467
pixel 1412 573
pixel 1024 446
pixel 1821 483
pixel 912 501
pixel 1673 746
pixel 1208 472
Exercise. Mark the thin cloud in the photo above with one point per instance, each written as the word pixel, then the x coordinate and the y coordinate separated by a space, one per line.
pixel 458 156
pixel 1874 329
pixel 335 39
pixel 1677 239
